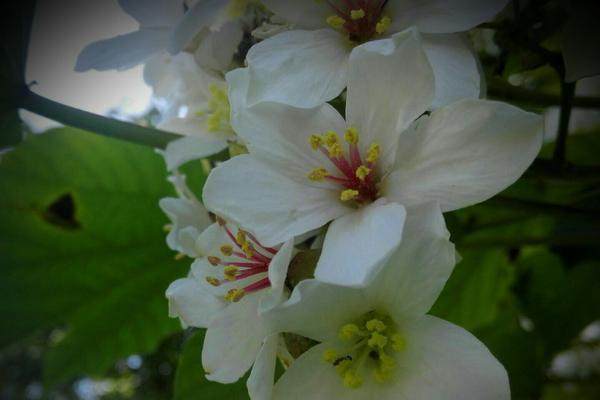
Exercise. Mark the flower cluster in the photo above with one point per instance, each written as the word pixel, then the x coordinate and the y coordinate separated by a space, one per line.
pixel 321 240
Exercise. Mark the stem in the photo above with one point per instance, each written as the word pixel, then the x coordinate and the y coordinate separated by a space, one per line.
pixel 499 89
pixel 567 93
pixel 93 122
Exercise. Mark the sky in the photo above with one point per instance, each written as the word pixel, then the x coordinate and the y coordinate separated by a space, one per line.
pixel 61 29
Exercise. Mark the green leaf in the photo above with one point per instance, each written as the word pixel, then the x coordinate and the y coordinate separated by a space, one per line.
pixel 190 383
pixel 474 293
pixel 83 248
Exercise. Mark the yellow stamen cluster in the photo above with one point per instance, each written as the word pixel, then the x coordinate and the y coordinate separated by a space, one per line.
pixel 234 295
pixel 349 194
pixel 218 110
pixel 368 341
pixel 335 21
pixel 383 25
pixel 318 174
pixel 373 153
pixel 357 14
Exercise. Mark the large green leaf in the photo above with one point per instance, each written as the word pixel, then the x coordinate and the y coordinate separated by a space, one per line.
pixel 83 248
pixel 190 383
pixel 474 293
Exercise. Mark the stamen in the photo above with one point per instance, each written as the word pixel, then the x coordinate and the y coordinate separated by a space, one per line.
pixel 335 21
pixel 349 194
pixel 383 25
pixel 235 295
pixel 373 153
pixel 230 272
pixel 357 14
pixel 362 172
pixel 351 135
pixel 213 260
pixel 318 174
pixel 315 141
pixel 398 342
pixel 375 325
pixel 352 380
pixel 331 138
pixel 226 250
pixel 377 340
pixel 213 281
pixel 335 151
pixel 350 332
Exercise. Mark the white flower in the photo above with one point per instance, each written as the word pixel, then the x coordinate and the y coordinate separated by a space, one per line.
pixel 377 342
pixel 188 218
pixel 300 175
pixel 227 292
pixel 309 66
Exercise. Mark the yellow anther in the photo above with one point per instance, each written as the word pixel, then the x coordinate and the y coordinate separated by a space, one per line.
pixel 230 272
pixel 331 138
pixel 315 141
pixel 226 250
pixel 386 366
pixel 375 325
pixel 351 135
pixel 213 260
pixel 351 379
pixel 335 21
pixel 349 194
pixel 350 332
pixel 329 355
pixel 377 340
pixel 167 227
pixel 373 153
pixel 248 249
pixel 240 237
pixel 318 174
pixel 362 172
pixel 234 295
pixel 336 151
pixel 398 342
pixel 213 281
pixel 383 25
pixel 357 14
pixel 179 256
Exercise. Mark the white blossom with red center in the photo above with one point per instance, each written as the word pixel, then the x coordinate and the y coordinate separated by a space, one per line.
pixel 300 175
pixel 308 66
pixel 227 292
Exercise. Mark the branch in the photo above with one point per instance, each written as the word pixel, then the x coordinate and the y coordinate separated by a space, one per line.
pixel 567 92
pixel 93 122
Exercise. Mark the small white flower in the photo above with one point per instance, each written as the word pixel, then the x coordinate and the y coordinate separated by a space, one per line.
pixel 308 167
pixel 308 66
pixel 227 292
pixel 377 342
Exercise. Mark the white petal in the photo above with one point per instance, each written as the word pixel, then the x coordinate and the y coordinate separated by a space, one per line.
pixel 310 378
pixel 195 306
pixel 154 13
pixel 200 16
pixel 463 154
pixel 455 68
pixel 442 16
pixel 278 268
pixel 267 203
pixel 318 310
pixel 183 213
pixel 198 144
pixel 299 68
pixel 390 84
pixel 233 340
pixel 278 134
pixel 305 14
pixel 123 51
pixel 216 50
pixel 444 361
pixel 359 243
pixel 417 271
pixel 260 381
